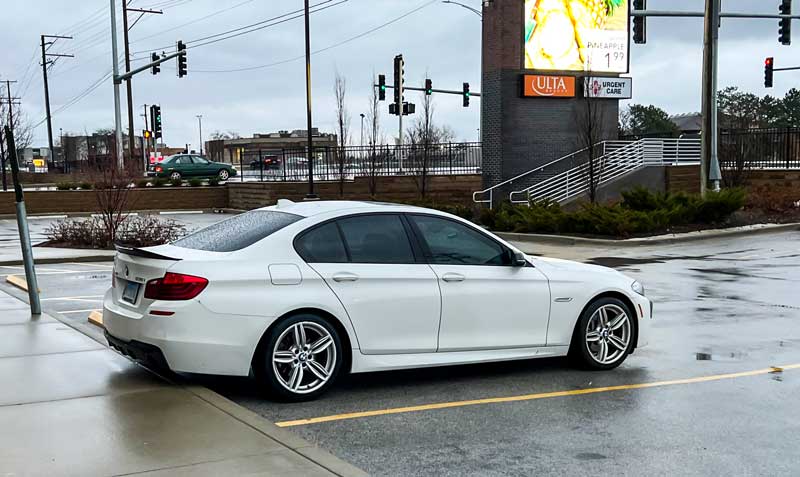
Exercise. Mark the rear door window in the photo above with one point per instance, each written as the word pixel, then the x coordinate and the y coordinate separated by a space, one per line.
pixel 322 245
pixel 379 238
pixel 238 232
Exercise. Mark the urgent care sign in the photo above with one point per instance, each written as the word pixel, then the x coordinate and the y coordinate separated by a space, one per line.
pixel 548 86
pixel 610 88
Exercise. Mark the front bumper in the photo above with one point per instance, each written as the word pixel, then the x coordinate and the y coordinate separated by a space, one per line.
pixel 644 312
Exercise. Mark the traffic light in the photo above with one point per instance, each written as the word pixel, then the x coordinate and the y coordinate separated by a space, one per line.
pixel 155 69
pixel 382 87
pixel 182 70
pixel 640 23
pixel 769 64
pixel 399 82
pixel 409 108
pixel 785 24
pixel 428 87
pixel 155 119
pixel 466 95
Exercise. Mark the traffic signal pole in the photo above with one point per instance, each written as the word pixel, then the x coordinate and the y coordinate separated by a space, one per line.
pixel 709 165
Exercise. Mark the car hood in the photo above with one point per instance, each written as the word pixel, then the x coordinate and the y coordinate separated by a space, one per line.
pixel 556 268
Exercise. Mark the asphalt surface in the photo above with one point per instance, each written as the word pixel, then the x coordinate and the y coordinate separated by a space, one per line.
pixel 723 307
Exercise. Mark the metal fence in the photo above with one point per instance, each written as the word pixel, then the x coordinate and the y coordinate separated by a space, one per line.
pixel 774 148
pixel 335 164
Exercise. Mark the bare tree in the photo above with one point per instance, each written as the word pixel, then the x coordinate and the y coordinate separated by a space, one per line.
pixel 113 195
pixel 589 121
pixel 371 165
pixel 23 132
pixel 342 124
pixel 421 136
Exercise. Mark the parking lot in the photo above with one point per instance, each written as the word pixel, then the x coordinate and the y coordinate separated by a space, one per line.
pixel 714 393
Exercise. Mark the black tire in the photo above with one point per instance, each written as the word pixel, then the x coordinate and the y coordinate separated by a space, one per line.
pixel 266 371
pixel 175 176
pixel 223 174
pixel 580 351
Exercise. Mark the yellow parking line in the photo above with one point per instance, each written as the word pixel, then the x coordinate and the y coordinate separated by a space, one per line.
pixel 531 397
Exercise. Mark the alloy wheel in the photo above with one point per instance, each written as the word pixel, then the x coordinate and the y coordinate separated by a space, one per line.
pixel 608 334
pixel 223 175
pixel 304 357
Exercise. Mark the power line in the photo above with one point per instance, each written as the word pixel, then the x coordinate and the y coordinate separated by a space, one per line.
pixel 330 47
pixel 192 22
pixel 239 29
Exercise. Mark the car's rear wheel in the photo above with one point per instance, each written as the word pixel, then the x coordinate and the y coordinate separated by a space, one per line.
pixel 301 358
pixel 176 176
pixel 603 337
pixel 224 175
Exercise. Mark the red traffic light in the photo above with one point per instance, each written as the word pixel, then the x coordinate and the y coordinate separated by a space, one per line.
pixel 769 61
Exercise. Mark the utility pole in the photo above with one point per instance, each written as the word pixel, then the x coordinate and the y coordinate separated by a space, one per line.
pixel 129 86
pixel 11 102
pixel 709 164
pixel 311 194
pixel 45 63
pixel 200 124
pixel 115 72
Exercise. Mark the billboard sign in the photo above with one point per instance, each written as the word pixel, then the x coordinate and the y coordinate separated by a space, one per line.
pixel 549 86
pixel 577 35
pixel 608 88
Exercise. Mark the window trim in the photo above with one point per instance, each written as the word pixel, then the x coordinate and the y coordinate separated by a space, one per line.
pixel 429 255
pixel 416 250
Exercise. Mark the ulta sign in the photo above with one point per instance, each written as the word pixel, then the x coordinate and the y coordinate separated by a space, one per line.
pixel 549 86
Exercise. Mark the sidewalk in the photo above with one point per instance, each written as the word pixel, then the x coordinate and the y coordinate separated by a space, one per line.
pixel 70 406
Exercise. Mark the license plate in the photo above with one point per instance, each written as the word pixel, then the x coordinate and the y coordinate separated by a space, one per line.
pixel 131 292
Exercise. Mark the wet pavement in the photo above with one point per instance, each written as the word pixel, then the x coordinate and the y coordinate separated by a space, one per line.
pixel 723 308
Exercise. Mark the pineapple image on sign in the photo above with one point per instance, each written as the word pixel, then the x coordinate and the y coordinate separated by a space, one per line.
pixel 576 35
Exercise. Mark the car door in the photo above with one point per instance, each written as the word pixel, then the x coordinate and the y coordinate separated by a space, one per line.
pixel 391 295
pixel 203 167
pixel 487 303
pixel 185 166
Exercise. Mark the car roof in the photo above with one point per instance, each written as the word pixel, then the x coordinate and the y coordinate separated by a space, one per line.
pixel 316 207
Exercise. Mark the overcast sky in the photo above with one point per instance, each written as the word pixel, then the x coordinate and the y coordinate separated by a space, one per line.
pixel 443 40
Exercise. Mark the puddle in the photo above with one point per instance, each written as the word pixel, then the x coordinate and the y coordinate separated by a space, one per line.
pixel 734 356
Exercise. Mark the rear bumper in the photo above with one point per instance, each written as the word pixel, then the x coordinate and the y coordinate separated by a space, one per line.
pixel 144 353
pixel 193 340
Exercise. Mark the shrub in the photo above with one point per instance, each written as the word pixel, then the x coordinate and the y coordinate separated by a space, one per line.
pixel 65 186
pixel 176 182
pixel 195 182
pixel 159 182
pixel 134 231
pixel 213 182
pixel 85 185
pixel 142 183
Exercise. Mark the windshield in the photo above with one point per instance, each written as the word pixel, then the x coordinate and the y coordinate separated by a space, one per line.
pixel 238 232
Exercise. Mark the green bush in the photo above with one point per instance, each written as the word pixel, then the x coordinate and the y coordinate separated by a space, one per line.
pixel 463 211
pixel 176 182
pixel 65 185
pixel 159 182
pixel 640 212
pixel 195 182
pixel 85 185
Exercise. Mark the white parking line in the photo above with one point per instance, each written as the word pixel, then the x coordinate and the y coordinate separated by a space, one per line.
pixel 76 298
pixel 180 212
pixel 78 311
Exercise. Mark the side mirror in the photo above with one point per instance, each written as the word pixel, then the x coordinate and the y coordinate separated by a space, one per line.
pixel 518 259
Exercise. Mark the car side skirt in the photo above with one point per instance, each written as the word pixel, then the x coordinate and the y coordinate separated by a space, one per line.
pixel 369 363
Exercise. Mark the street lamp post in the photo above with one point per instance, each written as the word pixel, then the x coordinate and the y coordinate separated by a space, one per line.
pixel 311 194
pixel 362 129
pixel 200 124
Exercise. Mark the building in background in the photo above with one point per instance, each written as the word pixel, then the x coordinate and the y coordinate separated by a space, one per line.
pixel 95 150
pixel 689 124
pixel 232 151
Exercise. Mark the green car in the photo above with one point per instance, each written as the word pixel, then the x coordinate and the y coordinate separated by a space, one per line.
pixel 182 166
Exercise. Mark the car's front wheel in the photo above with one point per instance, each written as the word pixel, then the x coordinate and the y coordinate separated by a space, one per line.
pixel 603 337
pixel 224 175
pixel 301 358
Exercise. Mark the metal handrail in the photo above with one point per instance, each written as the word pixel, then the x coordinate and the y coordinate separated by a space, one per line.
pixel 491 189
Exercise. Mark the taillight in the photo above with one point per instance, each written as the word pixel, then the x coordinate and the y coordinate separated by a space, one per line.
pixel 159 169
pixel 175 287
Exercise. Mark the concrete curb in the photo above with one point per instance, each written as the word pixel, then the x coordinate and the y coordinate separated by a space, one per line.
pixel 57 260
pixel 657 240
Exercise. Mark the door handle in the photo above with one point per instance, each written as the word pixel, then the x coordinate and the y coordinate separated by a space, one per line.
pixel 345 277
pixel 453 277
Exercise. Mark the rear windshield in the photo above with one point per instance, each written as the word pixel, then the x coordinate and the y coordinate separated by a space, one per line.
pixel 238 232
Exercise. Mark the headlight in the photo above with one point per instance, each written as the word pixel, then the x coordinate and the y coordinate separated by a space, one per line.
pixel 637 287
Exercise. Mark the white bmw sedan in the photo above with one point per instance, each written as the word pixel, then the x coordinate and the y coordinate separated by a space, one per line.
pixel 297 294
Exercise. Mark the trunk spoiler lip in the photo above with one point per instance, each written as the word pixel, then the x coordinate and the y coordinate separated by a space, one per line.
pixel 138 252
